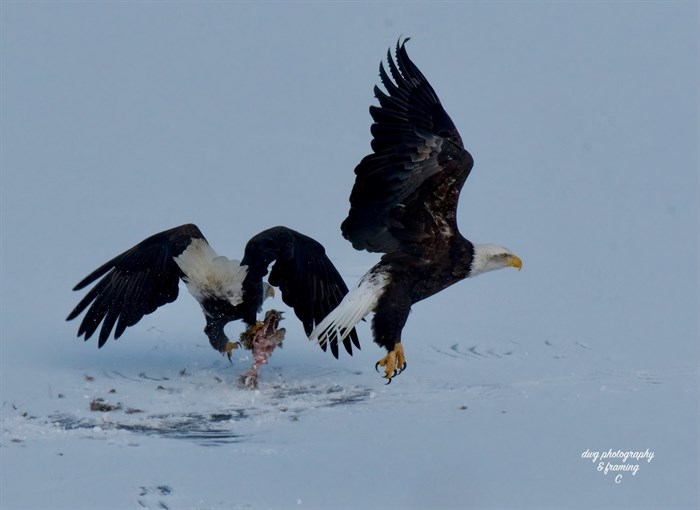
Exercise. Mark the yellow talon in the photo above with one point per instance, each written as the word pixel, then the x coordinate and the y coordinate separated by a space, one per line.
pixel 229 347
pixel 256 327
pixel 394 362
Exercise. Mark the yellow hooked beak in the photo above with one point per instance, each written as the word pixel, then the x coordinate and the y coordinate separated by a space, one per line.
pixel 514 261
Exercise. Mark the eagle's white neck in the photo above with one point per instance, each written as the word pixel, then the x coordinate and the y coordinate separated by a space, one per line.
pixel 208 275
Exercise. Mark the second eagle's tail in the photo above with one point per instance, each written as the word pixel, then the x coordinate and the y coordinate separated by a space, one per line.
pixel 352 309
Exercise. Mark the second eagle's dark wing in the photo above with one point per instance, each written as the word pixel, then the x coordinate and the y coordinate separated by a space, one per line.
pixel 308 280
pixel 406 192
pixel 133 284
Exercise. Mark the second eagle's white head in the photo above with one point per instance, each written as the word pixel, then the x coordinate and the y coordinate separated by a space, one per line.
pixel 489 257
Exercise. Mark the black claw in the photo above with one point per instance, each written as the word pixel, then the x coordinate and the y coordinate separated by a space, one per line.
pixel 376 367
pixel 389 379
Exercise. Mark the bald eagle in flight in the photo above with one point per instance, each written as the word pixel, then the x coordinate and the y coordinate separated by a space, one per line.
pixel 404 205
pixel 146 277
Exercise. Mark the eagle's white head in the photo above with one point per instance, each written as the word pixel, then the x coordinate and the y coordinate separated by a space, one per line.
pixel 489 257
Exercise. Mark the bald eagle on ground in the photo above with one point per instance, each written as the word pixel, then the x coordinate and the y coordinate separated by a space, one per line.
pixel 404 205
pixel 146 277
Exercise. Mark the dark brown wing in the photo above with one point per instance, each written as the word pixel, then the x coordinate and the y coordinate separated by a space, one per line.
pixel 133 284
pixel 406 192
pixel 309 281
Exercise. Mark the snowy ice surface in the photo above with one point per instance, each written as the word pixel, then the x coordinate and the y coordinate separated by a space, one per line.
pixel 474 426
pixel 121 119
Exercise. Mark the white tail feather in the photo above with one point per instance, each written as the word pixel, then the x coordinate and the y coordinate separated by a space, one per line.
pixel 352 309
pixel 210 275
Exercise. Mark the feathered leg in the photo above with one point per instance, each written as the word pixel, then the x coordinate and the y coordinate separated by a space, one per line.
pixel 389 319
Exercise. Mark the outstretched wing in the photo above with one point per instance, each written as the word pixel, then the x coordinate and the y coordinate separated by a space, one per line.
pixel 309 281
pixel 133 284
pixel 406 192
